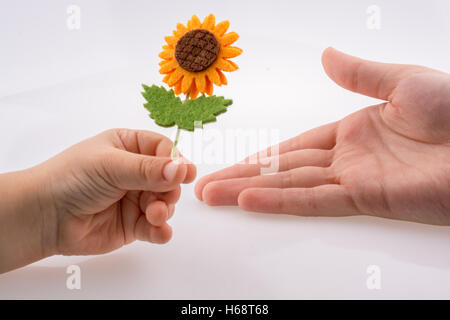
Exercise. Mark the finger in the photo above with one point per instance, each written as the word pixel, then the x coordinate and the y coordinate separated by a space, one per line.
pixel 152 144
pixel 157 213
pixel 143 142
pixel 168 197
pixel 226 192
pixel 171 210
pixel 374 79
pixel 130 171
pixel 146 198
pixel 323 137
pixel 144 231
pixel 325 200
pixel 191 172
pixel 130 205
pixel 286 161
pixel 164 150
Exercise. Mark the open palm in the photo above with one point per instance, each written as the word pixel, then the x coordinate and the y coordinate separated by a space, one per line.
pixel 390 160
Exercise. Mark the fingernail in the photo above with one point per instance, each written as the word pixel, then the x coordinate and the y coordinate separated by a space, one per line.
pixel 170 170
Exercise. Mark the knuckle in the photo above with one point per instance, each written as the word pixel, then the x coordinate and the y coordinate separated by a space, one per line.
pixel 310 198
pixel 112 133
pixel 107 160
pixel 330 176
pixel 289 161
pixel 287 179
pixel 144 200
pixel 147 167
pixel 328 158
pixel 164 146
pixel 355 77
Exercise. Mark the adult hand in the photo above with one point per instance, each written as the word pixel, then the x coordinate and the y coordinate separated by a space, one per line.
pixel 389 160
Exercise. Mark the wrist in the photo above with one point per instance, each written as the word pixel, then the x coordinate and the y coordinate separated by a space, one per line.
pixel 42 195
pixel 26 219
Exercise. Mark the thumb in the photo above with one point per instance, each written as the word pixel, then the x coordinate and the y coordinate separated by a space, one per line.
pixel 131 171
pixel 374 79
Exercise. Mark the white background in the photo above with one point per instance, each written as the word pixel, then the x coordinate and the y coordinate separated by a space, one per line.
pixel 59 86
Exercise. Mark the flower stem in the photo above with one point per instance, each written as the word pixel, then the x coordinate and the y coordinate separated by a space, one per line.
pixel 173 152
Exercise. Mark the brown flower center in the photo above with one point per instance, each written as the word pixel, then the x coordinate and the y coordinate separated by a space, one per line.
pixel 197 50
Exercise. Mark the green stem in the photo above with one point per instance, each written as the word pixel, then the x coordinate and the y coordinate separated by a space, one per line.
pixel 173 152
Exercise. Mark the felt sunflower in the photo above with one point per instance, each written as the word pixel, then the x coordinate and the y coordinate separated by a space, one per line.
pixel 196 55
pixel 194 59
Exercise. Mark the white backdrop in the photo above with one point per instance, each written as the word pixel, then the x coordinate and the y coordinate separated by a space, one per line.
pixel 59 86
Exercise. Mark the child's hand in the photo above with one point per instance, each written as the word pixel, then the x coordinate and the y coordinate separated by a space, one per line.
pixel 391 160
pixel 97 196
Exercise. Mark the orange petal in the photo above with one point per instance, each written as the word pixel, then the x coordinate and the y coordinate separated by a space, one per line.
pixel 231 52
pixel 166 78
pixel 177 88
pixel 167 54
pixel 181 30
pixel 226 65
pixel 175 77
pixel 168 67
pixel 186 83
pixel 235 66
pixel 209 87
pixel 221 28
pixel 171 41
pixel 223 79
pixel 161 63
pixel 214 76
pixel 229 38
pixel 194 23
pixel 209 22
pixel 200 82
pixel 193 92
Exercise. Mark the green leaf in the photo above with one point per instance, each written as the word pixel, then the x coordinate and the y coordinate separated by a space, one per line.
pixel 162 104
pixel 167 109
